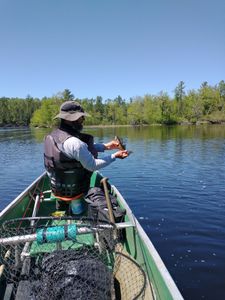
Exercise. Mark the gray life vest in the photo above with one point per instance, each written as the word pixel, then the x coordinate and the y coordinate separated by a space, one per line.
pixel 68 177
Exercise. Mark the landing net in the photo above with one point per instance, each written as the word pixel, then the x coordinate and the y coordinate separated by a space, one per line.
pixel 44 258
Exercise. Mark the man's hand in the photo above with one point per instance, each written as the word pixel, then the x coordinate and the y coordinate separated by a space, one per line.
pixel 112 145
pixel 121 154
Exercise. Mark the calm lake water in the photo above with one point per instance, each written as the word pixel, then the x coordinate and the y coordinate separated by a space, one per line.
pixel 173 182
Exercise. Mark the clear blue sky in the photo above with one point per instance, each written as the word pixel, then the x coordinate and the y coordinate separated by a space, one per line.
pixel 109 47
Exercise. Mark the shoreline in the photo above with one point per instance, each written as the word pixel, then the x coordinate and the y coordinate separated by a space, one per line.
pixel 198 123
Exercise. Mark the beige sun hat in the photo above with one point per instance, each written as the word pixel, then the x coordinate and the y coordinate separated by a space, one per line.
pixel 71 111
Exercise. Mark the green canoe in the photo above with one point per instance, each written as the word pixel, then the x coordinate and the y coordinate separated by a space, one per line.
pixel 84 258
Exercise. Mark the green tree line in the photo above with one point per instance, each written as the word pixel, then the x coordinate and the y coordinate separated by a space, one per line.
pixel 207 104
pixel 17 111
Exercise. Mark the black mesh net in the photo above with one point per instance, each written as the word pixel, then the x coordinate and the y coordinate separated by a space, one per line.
pixel 90 265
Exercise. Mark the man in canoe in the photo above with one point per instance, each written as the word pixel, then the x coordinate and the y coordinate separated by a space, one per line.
pixel 71 156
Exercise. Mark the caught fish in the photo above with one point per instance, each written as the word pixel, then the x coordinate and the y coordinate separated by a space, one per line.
pixel 122 146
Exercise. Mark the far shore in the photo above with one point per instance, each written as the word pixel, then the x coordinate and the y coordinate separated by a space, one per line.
pixel 11 126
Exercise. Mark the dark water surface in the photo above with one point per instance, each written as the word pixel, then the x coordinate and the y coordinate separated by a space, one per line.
pixel 173 182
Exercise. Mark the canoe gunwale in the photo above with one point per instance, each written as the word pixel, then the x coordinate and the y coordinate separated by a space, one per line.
pixel 175 293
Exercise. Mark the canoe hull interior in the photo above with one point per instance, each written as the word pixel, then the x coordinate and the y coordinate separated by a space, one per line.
pixel 134 243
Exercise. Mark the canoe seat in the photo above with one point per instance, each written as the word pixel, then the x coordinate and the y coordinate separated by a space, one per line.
pixel 68 205
pixel 49 196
